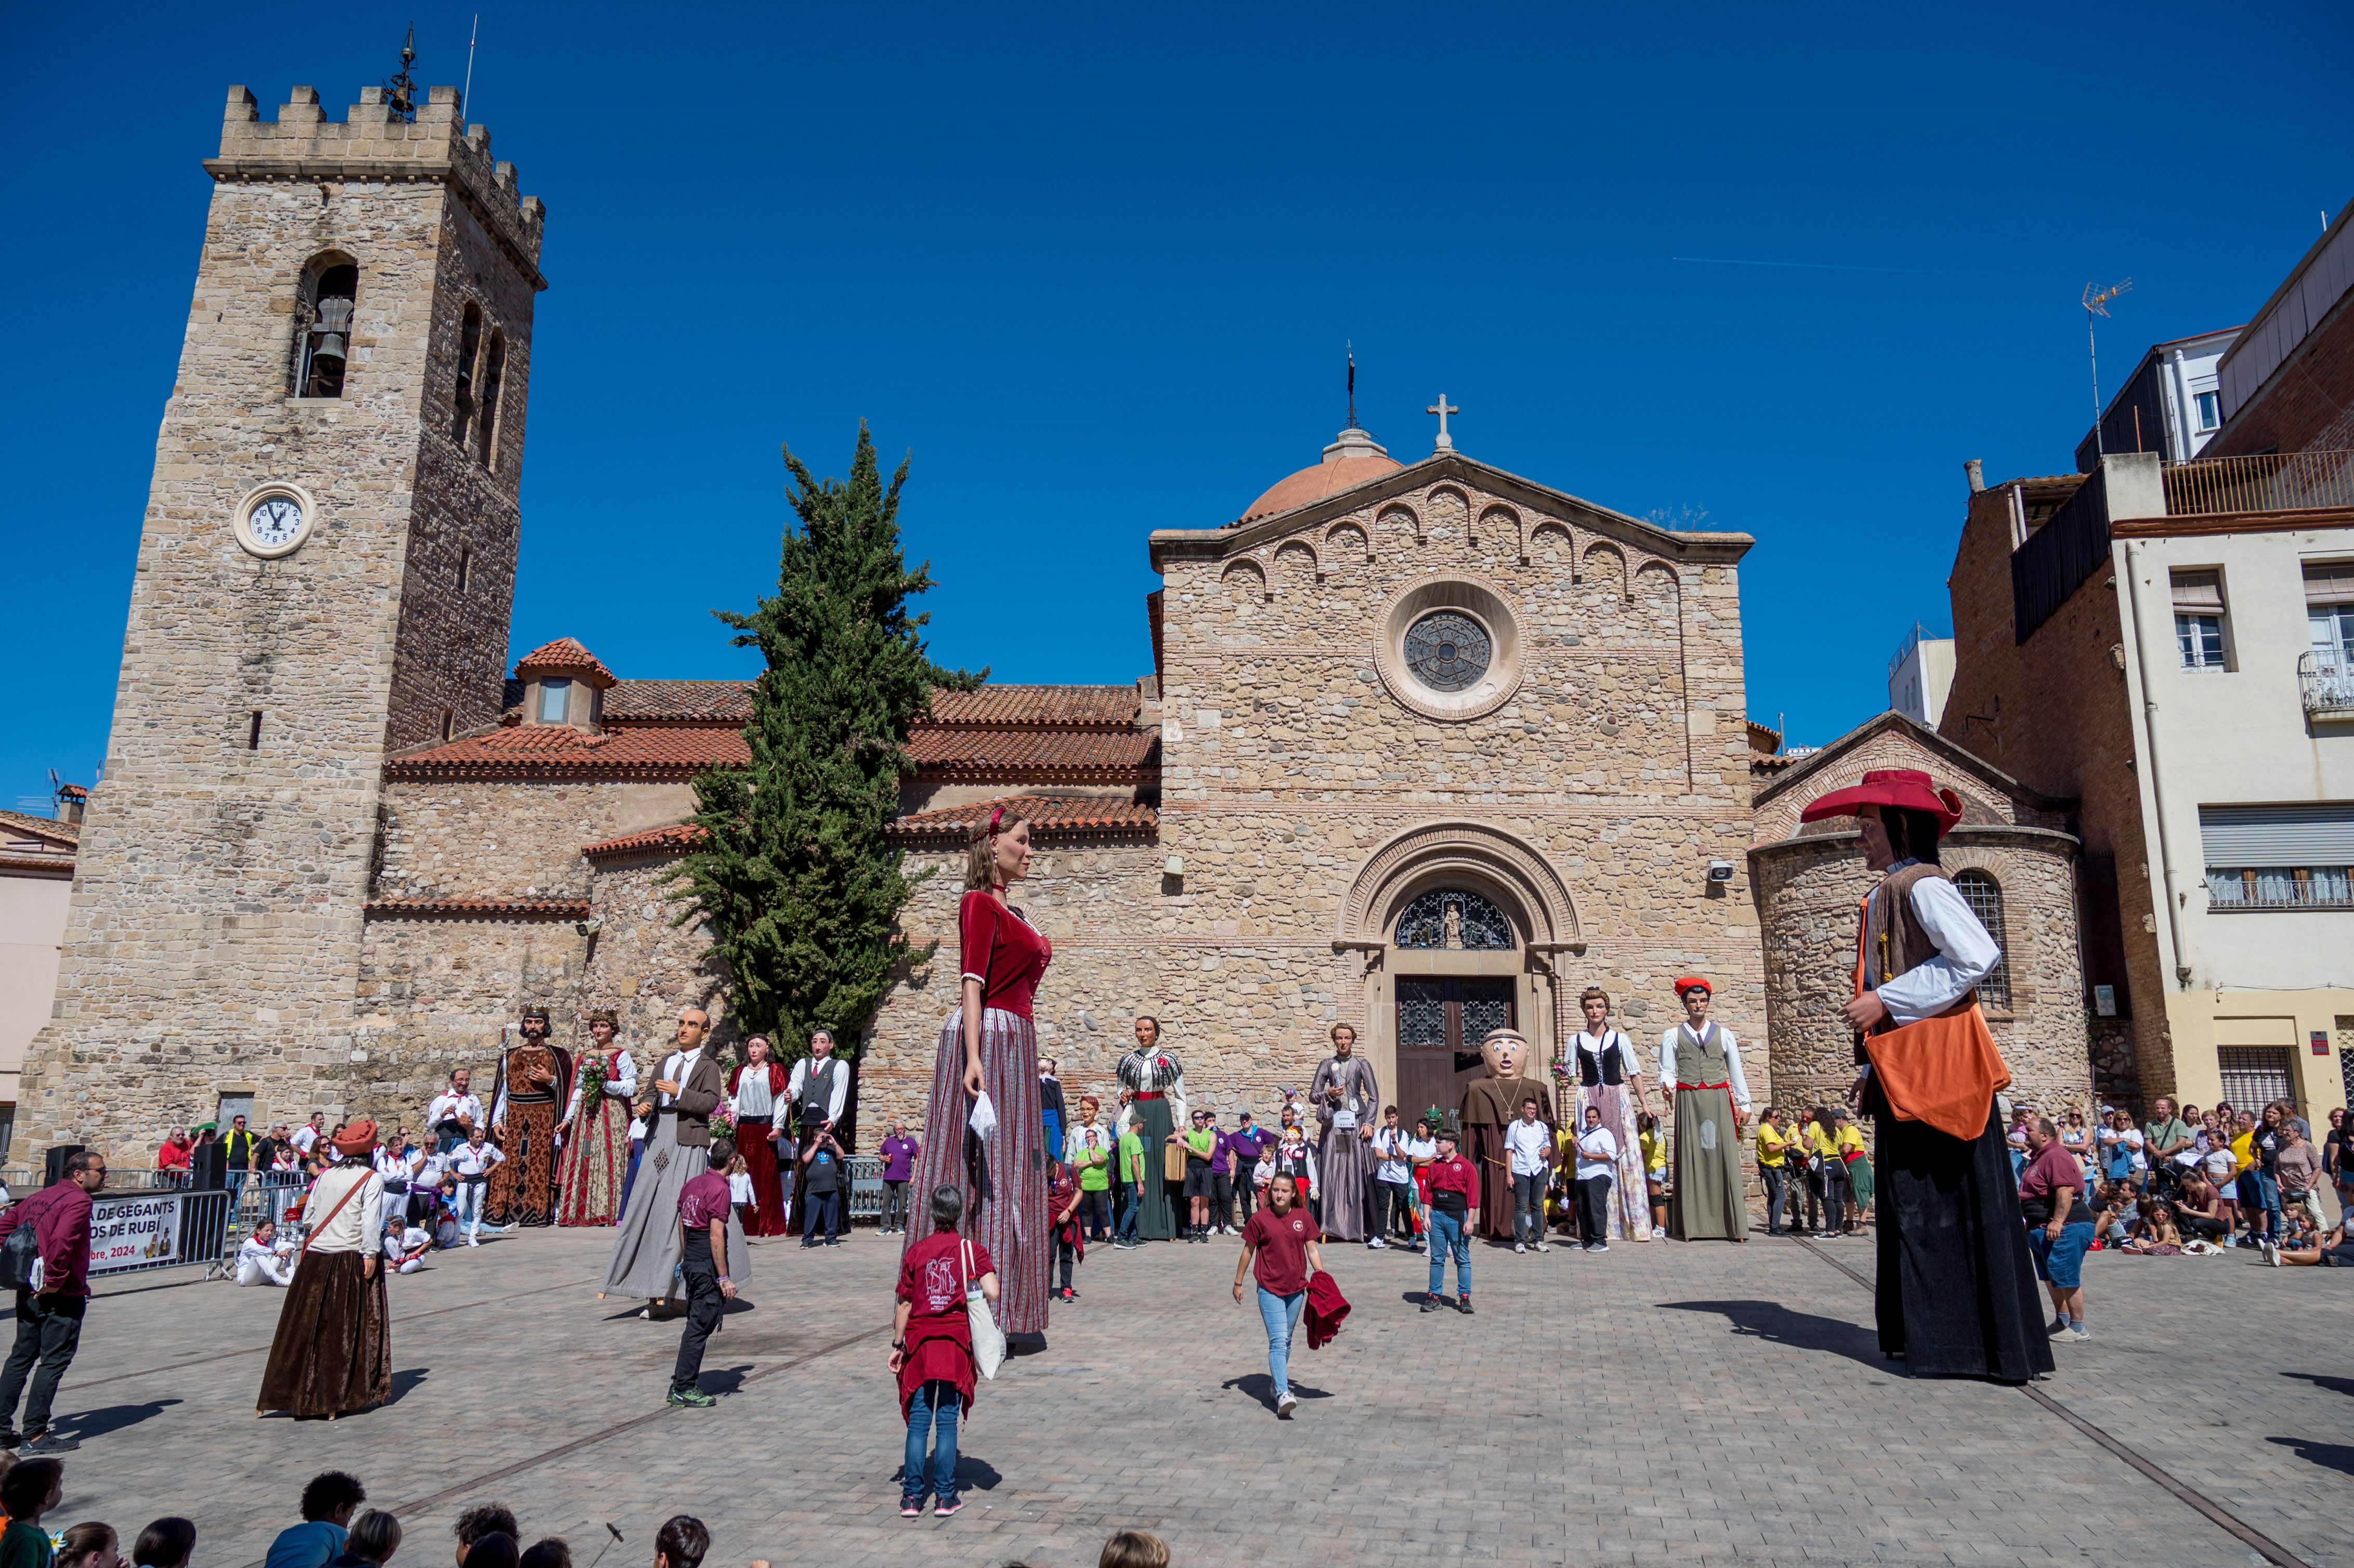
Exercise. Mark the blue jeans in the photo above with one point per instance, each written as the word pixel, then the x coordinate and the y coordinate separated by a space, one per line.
pixel 933 1410
pixel 1446 1236
pixel 821 1209
pixel 1132 1199
pixel 1281 1314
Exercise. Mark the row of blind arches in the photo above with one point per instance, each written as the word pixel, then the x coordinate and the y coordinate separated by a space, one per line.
pixel 330 298
pixel 1457 917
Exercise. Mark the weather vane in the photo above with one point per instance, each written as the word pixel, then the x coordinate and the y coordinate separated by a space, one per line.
pixel 400 93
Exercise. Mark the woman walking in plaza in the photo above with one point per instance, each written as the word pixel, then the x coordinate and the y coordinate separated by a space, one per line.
pixel 989 1045
pixel 1279 1247
pixel 332 1352
pixel 931 1349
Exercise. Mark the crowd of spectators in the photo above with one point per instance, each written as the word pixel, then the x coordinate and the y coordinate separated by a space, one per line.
pixel 336 1532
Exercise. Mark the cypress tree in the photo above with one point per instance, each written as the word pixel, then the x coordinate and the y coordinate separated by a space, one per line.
pixel 796 880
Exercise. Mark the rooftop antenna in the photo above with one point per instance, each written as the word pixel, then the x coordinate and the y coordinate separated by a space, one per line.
pixel 400 93
pixel 1352 385
pixel 2097 303
pixel 472 34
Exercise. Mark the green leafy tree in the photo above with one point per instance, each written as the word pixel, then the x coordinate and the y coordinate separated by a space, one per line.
pixel 796 880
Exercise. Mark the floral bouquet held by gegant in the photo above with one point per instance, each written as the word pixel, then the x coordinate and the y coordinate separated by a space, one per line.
pixel 594 1071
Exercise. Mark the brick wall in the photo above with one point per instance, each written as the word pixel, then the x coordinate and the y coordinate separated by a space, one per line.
pixel 2053 713
pixel 2307 404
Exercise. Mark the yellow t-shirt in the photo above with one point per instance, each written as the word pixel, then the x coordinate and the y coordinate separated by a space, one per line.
pixel 2241 1158
pixel 1816 1142
pixel 1850 1139
pixel 1770 1145
pixel 1655 1152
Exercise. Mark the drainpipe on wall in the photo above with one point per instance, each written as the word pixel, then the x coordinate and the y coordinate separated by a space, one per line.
pixel 2157 770
pixel 2178 435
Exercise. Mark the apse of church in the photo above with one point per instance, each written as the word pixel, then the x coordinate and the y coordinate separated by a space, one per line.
pixel 1434 748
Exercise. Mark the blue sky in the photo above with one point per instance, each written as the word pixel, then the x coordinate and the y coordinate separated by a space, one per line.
pixel 1095 266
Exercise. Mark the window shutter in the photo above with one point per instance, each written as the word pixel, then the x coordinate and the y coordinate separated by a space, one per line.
pixel 2329 582
pixel 2198 593
pixel 2318 834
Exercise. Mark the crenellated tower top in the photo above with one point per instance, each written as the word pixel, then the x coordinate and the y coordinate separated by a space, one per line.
pixel 375 144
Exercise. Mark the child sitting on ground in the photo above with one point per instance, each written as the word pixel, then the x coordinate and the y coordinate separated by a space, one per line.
pixel 2328 1251
pixel 263 1259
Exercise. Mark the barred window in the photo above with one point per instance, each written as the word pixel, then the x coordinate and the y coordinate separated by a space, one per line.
pixel 1455 917
pixel 1984 896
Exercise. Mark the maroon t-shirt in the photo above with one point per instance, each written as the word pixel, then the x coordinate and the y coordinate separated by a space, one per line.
pixel 2045 1174
pixel 1281 1265
pixel 702 1200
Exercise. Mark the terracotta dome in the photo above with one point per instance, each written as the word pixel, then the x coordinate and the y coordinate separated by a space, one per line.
pixel 1352 461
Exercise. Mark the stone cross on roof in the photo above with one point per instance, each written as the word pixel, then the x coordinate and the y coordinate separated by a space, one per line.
pixel 1442 409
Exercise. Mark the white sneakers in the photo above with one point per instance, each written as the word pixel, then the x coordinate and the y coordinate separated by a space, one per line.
pixel 1520 1247
pixel 1544 1246
pixel 1377 1244
pixel 1286 1405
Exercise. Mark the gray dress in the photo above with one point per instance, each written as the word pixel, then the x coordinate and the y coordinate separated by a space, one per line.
pixel 648 1246
pixel 1344 1160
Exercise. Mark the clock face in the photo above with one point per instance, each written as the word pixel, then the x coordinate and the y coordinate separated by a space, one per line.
pixel 275 521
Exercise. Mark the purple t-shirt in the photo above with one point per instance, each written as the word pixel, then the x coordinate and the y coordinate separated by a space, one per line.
pixel 1237 1150
pixel 900 1158
pixel 703 1199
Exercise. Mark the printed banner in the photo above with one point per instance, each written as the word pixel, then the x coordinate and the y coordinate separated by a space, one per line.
pixel 135 1231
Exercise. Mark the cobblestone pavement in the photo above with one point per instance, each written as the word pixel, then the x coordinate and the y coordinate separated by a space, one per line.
pixel 1659 1403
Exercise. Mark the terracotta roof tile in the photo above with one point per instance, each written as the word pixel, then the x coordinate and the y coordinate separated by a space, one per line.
pixel 68 833
pixel 1049 819
pixel 708 702
pixel 477 909
pixel 657 754
pixel 564 657
pixel 1035 757
pixel 54 864
pixel 676 839
pixel 1057 707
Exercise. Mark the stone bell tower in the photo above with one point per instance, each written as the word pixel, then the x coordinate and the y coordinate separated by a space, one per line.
pixel 324 575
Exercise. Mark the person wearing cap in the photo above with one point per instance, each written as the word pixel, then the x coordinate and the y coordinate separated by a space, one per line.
pixel 1455 1186
pixel 1200 1142
pixel 1955 1291
pixel 1699 1066
pixel 332 1352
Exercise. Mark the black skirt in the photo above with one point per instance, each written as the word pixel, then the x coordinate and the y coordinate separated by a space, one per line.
pixel 333 1351
pixel 1957 1291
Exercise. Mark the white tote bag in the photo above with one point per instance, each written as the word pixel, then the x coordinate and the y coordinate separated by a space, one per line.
pixel 985 1115
pixel 988 1339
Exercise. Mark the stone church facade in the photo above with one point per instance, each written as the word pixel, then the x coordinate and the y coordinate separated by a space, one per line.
pixel 1426 748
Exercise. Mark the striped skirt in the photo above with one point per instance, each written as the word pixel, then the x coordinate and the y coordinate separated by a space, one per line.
pixel 1003 1178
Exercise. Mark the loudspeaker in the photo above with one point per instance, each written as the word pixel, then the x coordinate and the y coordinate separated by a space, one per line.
pixel 209 1167
pixel 59 1154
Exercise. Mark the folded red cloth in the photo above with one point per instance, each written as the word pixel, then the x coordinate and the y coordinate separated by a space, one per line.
pixel 1327 1308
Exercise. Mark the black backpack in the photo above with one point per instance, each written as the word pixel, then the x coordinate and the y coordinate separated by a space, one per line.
pixel 20 1253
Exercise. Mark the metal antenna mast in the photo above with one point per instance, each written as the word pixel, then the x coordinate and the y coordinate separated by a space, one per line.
pixel 472 34
pixel 2097 303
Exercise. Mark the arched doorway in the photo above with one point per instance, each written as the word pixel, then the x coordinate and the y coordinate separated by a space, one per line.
pixel 1456 926
pixel 1441 1018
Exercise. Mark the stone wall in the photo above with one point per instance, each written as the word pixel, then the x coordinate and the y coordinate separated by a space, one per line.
pixel 510 838
pixel 215 939
pixel 1615 771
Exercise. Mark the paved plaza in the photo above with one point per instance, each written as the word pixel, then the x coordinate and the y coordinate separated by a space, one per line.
pixel 1660 1402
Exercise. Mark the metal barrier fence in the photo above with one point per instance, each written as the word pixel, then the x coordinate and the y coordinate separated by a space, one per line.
pixel 139 1220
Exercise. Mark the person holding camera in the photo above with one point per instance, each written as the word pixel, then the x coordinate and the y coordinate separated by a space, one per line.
pixel 821 1183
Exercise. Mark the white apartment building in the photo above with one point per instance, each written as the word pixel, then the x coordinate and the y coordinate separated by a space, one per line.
pixel 2172 404
pixel 2238 643
pixel 1920 676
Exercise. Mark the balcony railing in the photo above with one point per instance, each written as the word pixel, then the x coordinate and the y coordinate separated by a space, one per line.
pixel 2325 680
pixel 2276 481
pixel 2233 890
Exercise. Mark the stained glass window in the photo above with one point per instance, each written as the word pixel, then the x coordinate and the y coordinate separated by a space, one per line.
pixel 1984 896
pixel 1454 917
pixel 1446 651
